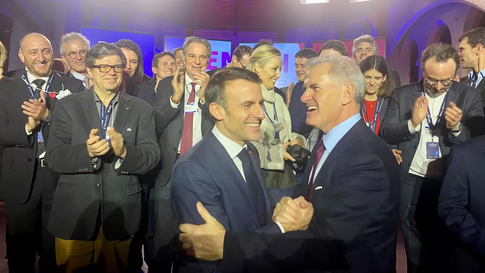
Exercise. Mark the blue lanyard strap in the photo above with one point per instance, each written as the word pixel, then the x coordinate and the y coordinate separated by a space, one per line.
pixel 31 89
pixel 440 114
pixel 105 114
pixel 373 124
pixel 275 114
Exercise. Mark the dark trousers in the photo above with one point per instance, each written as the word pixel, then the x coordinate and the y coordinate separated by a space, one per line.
pixel 27 223
pixel 427 241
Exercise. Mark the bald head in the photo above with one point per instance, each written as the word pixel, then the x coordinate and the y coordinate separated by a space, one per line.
pixel 36 53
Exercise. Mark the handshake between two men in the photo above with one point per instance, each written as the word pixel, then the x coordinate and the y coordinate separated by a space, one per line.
pixel 206 241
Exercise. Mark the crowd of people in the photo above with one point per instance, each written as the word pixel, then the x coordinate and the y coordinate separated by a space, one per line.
pixel 103 168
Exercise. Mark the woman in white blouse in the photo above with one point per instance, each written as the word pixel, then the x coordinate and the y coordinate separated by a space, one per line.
pixel 276 134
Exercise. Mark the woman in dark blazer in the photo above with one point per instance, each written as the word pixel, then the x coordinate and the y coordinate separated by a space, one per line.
pixel 133 75
pixel 379 85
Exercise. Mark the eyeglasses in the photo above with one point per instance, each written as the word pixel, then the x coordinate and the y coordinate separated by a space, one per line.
pixel 104 68
pixel 73 54
pixel 434 82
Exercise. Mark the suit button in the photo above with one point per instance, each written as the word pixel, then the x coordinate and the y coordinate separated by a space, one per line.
pixel 98 185
pixel 29 159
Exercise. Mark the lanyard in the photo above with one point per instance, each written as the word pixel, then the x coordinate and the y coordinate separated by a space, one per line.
pixel 373 124
pixel 106 114
pixel 440 114
pixel 275 114
pixel 31 89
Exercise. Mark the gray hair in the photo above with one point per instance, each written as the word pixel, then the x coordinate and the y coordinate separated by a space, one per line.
pixel 101 50
pixel 344 70
pixel 442 53
pixel 365 39
pixel 195 39
pixel 69 37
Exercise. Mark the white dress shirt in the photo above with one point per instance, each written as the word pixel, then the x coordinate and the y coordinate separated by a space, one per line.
pixel 420 165
pixel 197 121
pixel 232 148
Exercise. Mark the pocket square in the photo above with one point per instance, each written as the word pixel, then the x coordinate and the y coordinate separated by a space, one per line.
pixel 318 188
pixel 128 129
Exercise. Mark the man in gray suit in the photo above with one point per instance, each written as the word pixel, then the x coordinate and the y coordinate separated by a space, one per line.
pixel 425 119
pixel 101 140
pixel 182 119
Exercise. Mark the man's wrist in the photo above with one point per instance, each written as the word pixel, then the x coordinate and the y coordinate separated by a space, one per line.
pixel 175 100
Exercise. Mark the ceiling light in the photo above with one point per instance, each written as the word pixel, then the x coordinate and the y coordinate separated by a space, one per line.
pixel 313 1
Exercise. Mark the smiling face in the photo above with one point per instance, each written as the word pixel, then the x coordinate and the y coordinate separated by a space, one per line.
pixel 373 81
pixel 241 119
pixel 326 99
pixel 196 59
pixel 131 62
pixel 36 53
pixel 269 73
pixel 363 51
pixel 179 58
pixel 77 50
pixel 165 67
pixel 107 81
pixel 301 68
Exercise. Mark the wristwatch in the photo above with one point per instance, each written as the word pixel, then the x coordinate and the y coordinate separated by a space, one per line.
pixel 458 129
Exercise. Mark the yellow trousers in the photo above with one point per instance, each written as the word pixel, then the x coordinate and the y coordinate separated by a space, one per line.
pixel 105 256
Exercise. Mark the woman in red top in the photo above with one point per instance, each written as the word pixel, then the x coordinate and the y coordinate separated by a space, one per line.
pixel 379 86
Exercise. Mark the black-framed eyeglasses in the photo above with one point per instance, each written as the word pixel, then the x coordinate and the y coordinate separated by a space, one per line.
pixel 104 68
pixel 73 54
pixel 243 66
pixel 434 82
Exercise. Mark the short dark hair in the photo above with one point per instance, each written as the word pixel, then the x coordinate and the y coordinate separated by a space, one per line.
pixel 442 53
pixel 177 49
pixel 214 92
pixel 160 55
pixel 336 45
pixel 475 36
pixel 260 43
pixel 129 44
pixel 101 50
pixel 380 64
pixel 242 50
pixel 306 53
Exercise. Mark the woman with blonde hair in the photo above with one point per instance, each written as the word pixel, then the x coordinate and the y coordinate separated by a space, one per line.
pixel 276 134
pixel 3 59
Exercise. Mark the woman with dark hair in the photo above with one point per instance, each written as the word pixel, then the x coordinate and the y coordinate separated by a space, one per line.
pixel 379 85
pixel 133 76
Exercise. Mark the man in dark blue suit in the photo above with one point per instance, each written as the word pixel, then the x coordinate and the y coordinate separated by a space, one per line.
pixel 462 206
pixel 352 180
pixel 222 170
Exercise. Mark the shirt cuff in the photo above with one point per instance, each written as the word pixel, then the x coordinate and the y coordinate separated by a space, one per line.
pixel 413 130
pixel 175 106
pixel 118 163
pixel 280 226
pixel 457 132
pixel 27 132
pixel 202 102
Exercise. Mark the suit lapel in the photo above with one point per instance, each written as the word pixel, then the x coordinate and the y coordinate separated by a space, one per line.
pixel 124 107
pixel 88 102
pixel 452 95
pixel 417 92
pixel 257 169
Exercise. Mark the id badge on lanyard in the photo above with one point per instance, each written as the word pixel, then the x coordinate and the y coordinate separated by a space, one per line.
pixel 277 126
pixel 433 148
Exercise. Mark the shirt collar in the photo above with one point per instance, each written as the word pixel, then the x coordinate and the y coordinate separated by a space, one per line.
pixel 232 148
pixel 335 135
pixel 32 78
pixel 471 75
pixel 114 99
pixel 188 81
pixel 78 76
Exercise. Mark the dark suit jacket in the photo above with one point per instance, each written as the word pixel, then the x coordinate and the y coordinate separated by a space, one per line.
pixel 397 79
pixel 394 129
pixel 461 204
pixel 18 160
pixel 207 174
pixel 480 87
pixel 298 111
pixel 169 124
pixel 88 193
pixel 355 196
pixel 143 92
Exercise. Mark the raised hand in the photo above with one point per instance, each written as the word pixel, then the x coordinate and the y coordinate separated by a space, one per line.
pixel 203 80
pixel 95 146
pixel 420 110
pixel 117 143
pixel 453 116
pixel 178 86
pixel 35 108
